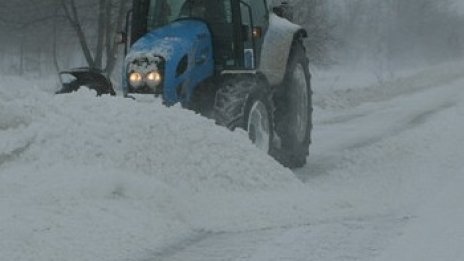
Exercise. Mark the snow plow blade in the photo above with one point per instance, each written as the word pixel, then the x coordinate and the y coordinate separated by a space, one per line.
pixel 72 80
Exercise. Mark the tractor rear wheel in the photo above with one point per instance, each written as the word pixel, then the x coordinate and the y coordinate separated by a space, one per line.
pixel 293 116
pixel 244 102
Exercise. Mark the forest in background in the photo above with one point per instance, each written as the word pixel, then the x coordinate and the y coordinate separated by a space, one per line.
pixel 39 37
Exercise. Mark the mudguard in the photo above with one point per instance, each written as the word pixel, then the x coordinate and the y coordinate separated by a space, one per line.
pixel 183 51
pixel 276 48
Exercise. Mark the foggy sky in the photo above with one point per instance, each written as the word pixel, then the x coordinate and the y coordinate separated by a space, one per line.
pixel 460 6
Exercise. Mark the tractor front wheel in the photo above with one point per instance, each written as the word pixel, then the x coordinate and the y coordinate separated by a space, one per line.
pixel 293 116
pixel 244 102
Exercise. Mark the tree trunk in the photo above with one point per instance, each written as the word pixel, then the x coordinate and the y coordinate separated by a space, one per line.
pixel 101 32
pixel 21 55
pixel 73 18
pixel 112 47
pixel 55 43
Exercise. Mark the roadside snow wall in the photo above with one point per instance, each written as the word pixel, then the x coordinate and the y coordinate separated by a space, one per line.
pixel 86 178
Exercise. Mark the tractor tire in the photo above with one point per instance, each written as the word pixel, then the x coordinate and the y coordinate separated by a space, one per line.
pixel 202 100
pixel 293 115
pixel 245 102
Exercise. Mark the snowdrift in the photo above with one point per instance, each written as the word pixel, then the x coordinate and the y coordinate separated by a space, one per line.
pixel 86 178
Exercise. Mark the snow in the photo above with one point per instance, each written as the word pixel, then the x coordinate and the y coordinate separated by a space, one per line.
pixel 150 63
pixel 437 232
pixel 375 166
pixel 86 178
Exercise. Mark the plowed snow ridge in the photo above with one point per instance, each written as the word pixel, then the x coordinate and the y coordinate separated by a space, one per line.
pixel 89 178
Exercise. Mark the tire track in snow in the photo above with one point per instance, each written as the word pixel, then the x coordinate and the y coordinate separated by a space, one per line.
pixel 383 121
pixel 13 155
pixel 253 244
pixel 427 79
pixel 322 164
pixel 416 121
pixel 15 139
pixel 180 246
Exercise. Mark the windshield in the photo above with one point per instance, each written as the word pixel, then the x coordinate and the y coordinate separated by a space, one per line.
pixel 162 12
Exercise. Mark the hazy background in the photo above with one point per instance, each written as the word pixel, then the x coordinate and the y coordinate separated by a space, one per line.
pixel 40 37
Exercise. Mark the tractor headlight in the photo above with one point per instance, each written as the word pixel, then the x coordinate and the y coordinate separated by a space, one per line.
pixel 136 79
pixel 153 79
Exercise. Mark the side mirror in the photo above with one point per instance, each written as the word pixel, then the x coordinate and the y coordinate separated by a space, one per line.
pixel 284 10
pixel 120 38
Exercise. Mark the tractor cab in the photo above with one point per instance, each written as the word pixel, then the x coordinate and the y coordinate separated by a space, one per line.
pixel 236 26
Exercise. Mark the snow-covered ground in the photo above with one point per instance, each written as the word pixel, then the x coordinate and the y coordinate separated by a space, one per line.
pixel 85 178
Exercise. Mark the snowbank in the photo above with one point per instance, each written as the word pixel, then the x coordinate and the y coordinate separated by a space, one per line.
pixel 86 178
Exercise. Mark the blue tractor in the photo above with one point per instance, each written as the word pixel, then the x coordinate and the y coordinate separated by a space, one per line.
pixel 240 62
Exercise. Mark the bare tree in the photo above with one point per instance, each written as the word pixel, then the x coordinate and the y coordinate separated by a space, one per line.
pixel 110 17
pixel 314 16
pixel 398 30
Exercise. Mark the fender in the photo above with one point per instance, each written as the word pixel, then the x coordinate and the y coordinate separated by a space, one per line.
pixel 277 47
pixel 184 52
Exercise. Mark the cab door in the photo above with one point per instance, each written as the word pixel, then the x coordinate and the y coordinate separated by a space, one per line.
pixel 254 21
pixel 219 17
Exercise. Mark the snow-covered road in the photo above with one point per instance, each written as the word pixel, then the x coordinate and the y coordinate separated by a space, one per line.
pixel 84 179
pixel 386 181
